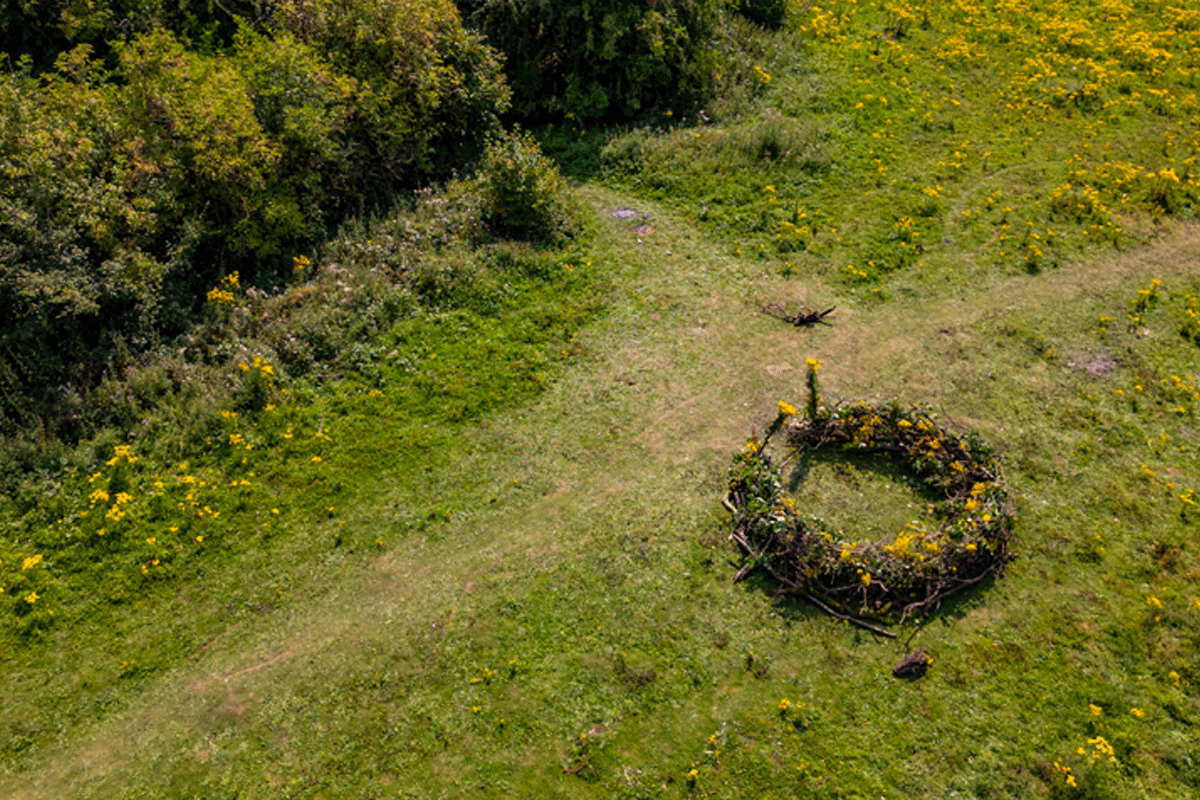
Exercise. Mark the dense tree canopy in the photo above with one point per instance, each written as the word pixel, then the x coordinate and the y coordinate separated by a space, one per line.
pixel 599 59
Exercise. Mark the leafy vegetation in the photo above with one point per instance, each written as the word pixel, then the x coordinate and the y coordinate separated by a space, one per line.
pixel 422 511
pixel 127 191
pixel 522 193
pixel 229 409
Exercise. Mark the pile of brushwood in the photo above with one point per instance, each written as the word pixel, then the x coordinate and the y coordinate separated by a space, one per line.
pixel 967 539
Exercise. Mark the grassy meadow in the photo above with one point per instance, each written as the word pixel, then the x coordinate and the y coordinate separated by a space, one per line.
pixel 484 554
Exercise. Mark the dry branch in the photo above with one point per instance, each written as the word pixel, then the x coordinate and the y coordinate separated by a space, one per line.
pixel 800 318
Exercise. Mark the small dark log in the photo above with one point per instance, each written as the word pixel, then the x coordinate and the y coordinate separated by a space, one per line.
pixel 912 665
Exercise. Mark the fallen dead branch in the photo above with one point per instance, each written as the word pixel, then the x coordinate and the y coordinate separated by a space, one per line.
pixel 800 318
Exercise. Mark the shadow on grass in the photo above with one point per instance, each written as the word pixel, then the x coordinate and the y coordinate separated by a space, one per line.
pixel 795 608
pixel 575 150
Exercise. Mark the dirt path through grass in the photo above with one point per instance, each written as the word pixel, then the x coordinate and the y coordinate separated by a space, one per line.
pixel 634 438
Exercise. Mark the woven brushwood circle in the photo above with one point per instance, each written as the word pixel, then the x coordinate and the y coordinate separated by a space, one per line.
pixel 966 539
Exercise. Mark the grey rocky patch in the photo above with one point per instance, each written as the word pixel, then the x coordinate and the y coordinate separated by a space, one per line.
pixel 1100 366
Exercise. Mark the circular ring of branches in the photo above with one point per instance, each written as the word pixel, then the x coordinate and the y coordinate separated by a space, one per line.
pixel 965 540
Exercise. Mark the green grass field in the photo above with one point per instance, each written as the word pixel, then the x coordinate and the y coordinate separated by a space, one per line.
pixel 492 559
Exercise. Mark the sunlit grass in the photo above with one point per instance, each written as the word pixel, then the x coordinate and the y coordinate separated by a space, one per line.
pixel 1027 134
pixel 485 554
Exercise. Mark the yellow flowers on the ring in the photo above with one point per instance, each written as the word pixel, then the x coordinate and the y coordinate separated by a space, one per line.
pixel 786 409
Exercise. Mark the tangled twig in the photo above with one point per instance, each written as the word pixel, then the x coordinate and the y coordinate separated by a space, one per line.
pixel 803 317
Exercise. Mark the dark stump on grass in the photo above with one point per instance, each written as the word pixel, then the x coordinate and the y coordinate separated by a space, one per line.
pixel 912 665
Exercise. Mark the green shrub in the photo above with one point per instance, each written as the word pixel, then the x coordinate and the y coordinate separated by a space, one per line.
pixel 81 264
pixel 197 119
pixel 43 30
pixel 428 93
pixel 523 195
